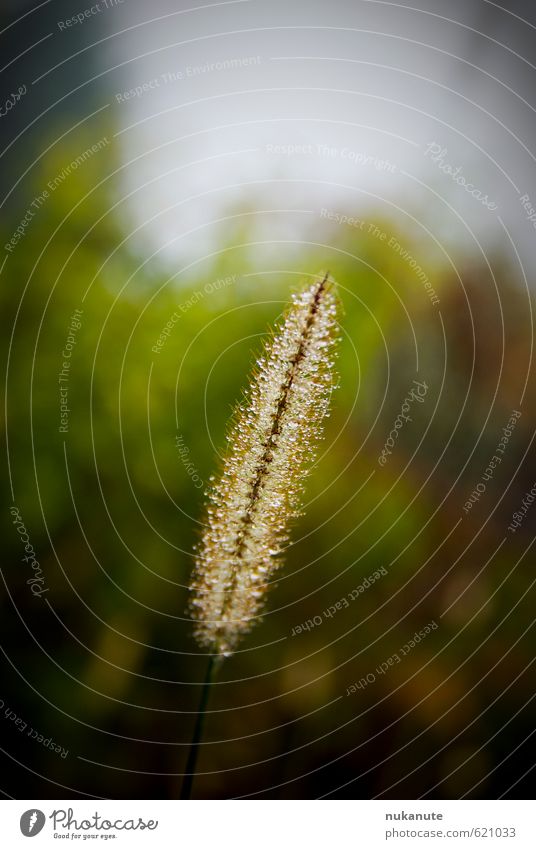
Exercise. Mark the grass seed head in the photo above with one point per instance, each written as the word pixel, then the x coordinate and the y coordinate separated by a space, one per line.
pixel 271 447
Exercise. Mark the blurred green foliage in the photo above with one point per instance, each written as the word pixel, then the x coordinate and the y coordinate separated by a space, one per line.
pixel 105 660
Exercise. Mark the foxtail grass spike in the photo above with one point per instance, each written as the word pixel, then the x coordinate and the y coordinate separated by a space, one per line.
pixel 271 447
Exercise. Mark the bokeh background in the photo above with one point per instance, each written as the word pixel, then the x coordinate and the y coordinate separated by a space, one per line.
pixel 173 173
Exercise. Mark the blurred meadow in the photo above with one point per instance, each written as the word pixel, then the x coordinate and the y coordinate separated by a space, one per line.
pixel 104 662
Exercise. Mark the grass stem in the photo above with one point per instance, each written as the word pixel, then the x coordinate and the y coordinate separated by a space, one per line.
pixel 191 763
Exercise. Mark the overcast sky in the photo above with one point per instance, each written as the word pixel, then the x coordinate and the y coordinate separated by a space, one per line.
pixel 350 105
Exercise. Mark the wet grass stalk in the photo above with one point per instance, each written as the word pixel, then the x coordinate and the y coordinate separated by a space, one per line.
pixel 271 447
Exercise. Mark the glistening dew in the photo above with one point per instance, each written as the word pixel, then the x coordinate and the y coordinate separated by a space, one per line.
pixel 272 445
